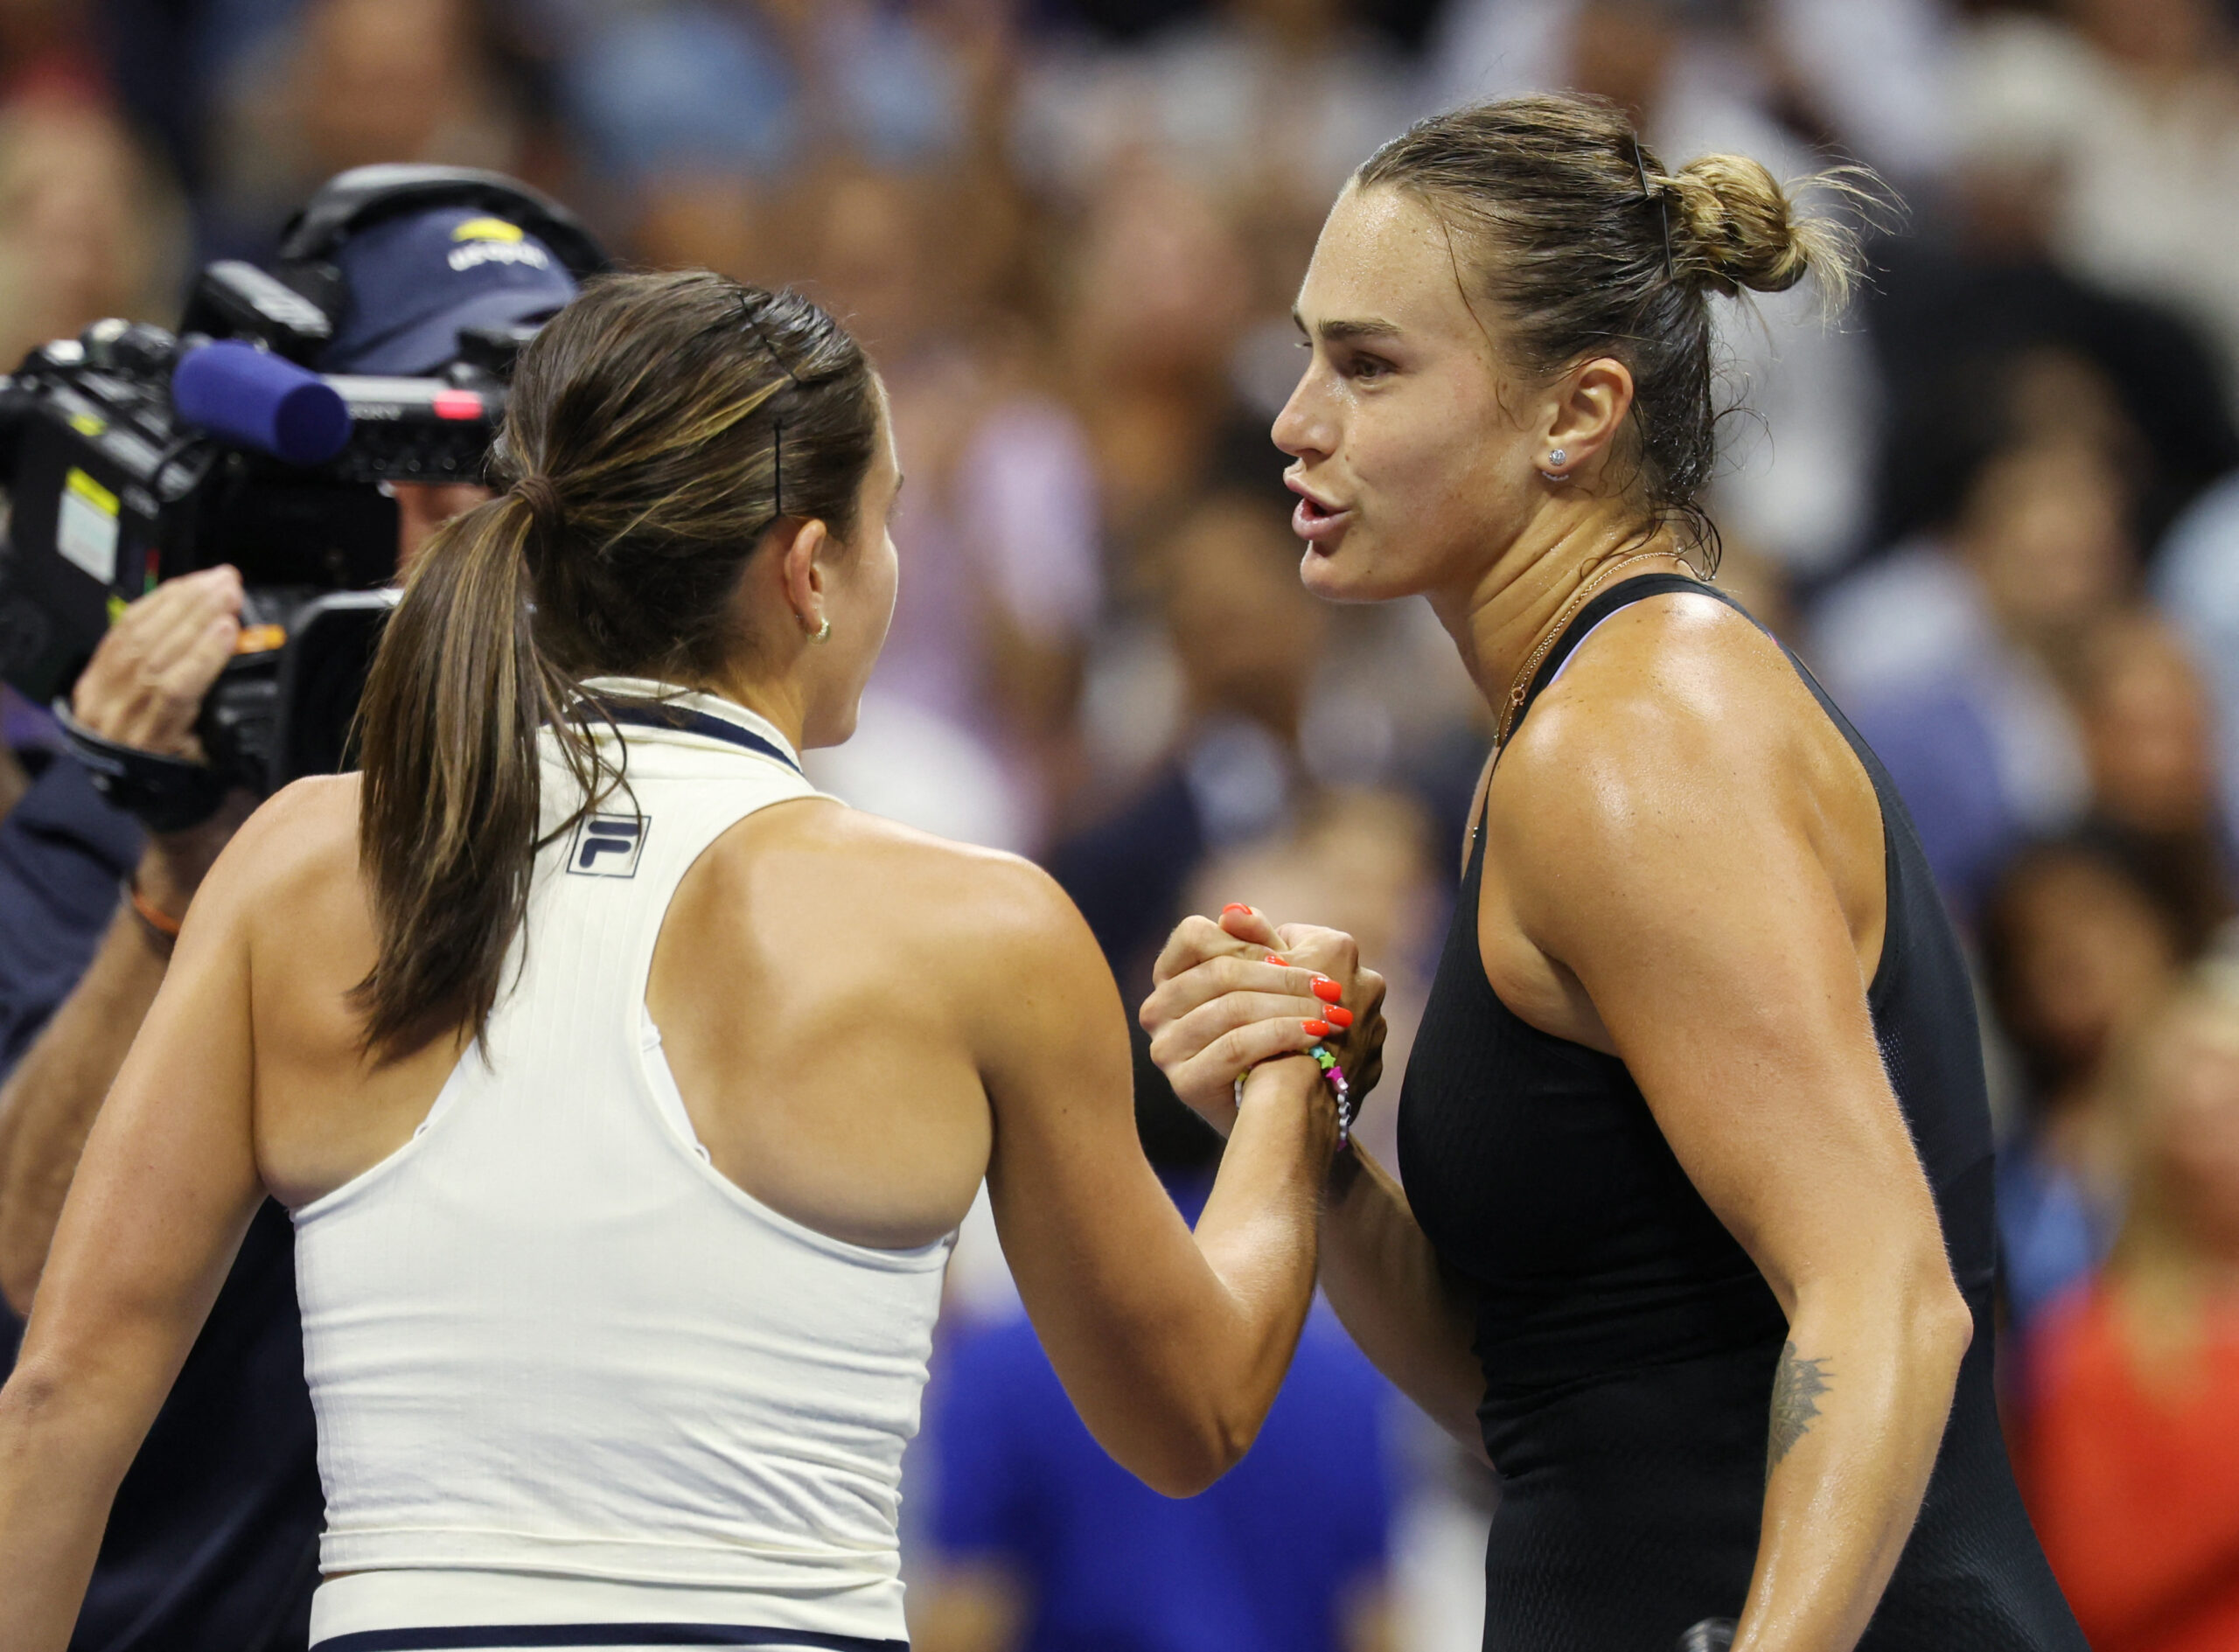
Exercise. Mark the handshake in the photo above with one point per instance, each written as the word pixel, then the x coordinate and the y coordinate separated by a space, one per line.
pixel 1231 993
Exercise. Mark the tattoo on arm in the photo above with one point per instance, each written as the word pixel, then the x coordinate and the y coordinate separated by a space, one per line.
pixel 1797 1386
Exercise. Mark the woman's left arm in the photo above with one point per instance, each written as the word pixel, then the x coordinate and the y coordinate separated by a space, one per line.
pixel 165 1190
pixel 1677 869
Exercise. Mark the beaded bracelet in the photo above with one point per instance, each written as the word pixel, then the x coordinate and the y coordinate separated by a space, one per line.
pixel 1348 1109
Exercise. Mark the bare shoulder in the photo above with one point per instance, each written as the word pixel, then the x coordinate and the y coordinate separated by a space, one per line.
pixel 1676 667
pixel 922 890
pixel 301 842
pixel 835 909
pixel 1680 730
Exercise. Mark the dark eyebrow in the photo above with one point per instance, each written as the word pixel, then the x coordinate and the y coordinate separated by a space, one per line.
pixel 1349 331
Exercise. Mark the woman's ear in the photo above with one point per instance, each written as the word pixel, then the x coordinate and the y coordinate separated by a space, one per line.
pixel 802 572
pixel 1588 410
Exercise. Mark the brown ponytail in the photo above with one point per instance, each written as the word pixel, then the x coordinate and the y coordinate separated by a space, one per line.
pixel 640 448
pixel 453 705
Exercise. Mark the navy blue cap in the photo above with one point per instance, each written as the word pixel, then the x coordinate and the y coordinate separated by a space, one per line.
pixel 416 281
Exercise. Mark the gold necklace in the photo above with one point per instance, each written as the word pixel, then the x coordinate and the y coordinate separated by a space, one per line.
pixel 1516 689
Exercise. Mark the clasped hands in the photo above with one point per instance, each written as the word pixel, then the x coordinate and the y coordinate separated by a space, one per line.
pixel 1231 992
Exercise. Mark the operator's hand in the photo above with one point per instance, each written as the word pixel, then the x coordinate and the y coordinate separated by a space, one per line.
pixel 1221 1004
pixel 146 682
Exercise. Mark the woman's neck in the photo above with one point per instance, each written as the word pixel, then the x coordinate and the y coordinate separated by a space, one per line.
pixel 1500 620
pixel 780 705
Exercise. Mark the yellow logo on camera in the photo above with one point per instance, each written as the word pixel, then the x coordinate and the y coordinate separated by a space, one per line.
pixel 493 241
pixel 486 229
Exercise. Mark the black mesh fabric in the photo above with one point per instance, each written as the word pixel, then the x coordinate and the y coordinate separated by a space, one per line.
pixel 1627 1341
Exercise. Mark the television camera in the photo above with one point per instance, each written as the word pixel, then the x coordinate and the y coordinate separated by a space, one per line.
pixel 132 455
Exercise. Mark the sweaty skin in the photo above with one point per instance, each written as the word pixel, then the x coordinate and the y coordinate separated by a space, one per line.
pixel 1683 868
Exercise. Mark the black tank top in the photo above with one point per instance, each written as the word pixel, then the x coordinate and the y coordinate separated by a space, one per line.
pixel 1629 1341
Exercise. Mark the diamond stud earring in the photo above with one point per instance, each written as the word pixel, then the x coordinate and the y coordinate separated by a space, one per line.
pixel 1554 472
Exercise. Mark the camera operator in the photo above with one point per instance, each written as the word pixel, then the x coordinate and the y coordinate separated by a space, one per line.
pixel 214 1540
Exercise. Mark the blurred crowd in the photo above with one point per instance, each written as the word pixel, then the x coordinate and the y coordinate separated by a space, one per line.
pixel 1995 507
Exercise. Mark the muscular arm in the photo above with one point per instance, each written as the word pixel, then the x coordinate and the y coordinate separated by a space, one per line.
pixel 1676 873
pixel 1171 1345
pixel 165 1187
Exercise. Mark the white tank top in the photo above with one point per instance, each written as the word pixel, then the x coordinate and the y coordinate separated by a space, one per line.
pixel 565 1372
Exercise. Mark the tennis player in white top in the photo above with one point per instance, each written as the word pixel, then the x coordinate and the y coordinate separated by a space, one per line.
pixel 626 1091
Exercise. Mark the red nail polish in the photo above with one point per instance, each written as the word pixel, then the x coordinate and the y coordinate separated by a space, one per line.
pixel 1338 1017
pixel 1234 906
pixel 1316 1029
pixel 1279 963
pixel 1327 991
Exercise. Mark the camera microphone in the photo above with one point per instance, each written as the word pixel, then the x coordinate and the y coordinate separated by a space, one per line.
pixel 262 401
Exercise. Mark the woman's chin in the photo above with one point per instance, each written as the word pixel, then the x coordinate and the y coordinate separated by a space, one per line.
pixel 1339 571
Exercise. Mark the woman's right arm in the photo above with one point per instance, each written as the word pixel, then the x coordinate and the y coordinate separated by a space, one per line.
pixel 1412 1318
pixel 1171 1345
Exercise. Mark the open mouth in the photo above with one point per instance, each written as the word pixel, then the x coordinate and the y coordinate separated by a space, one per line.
pixel 1317 520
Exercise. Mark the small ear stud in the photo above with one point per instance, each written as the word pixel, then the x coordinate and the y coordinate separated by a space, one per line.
pixel 1557 459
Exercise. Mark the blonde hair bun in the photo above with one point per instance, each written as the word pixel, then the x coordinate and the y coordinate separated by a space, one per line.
pixel 1735 225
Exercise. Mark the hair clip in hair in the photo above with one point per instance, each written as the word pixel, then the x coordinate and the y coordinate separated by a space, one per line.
pixel 777 426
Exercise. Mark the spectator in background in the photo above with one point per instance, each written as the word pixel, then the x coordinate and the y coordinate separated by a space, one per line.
pixel 2074 947
pixel 1948 653
pixel 2130 1464
pixel 350 83
pixel 2143 716
pixel 1262 108
pixel 88 226
pixel 2080 935
pixel 1045 1544
pixel 708 128
pixel 1864 76
pixel 2135 105
pixel 1246 637
pixel 2195 583
pixel 1988 282
pixel 1157 290
pixel 757 86
pixel 999 533
pixel 1280 97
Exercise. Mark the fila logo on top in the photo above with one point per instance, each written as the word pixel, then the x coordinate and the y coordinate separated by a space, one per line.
pixel 607 846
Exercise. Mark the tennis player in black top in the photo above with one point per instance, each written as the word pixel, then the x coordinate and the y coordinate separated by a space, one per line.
pixel 1696 1234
